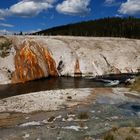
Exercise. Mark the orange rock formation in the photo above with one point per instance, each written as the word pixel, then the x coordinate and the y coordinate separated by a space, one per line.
pixel 33 62
pixel 77 68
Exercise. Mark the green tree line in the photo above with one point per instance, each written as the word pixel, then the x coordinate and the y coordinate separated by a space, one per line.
pixel 107 27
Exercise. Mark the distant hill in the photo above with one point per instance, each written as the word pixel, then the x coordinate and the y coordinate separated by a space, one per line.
pixel 107 27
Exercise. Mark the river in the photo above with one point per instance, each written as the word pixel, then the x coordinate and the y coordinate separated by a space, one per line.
pixel 52 83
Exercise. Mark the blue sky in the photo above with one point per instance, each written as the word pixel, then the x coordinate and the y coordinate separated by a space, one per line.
pixel 33 15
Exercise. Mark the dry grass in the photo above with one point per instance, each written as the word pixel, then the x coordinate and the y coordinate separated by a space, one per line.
pixel 136 85
pixel 129 138
pixel 134 131
pixel 109 136
pixel 124 133
pixel 5 45
pixel 115 129
pixel 82 124
pixel 51 119
pixel 83 116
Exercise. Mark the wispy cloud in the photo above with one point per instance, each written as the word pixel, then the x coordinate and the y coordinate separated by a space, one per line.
pixel 8 32
pixel 111 3
pixel 1 18
pixel 4 31
pixel 32 31
pixel 118 15
pixel 6 25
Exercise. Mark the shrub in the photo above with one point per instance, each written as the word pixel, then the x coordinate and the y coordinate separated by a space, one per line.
pixel 109 136
pixel 136 85
pixel 129 138
pixel 5 48
pixel 134 130
pixel 51 119
pixel 114 129
pixel 83 116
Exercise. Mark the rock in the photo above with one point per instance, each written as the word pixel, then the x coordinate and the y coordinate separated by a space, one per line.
pixel 51 119
pixel 36 57
pixel 42 101
pixel 69 98
pixel 112 83
pixel 33 62
pixel 26 136
pixel 130 81
pixel 77 69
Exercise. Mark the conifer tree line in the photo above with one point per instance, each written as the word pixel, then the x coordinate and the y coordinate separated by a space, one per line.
pixel 107 27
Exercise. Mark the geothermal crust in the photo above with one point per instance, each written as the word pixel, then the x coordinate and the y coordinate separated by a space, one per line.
pixel 25 58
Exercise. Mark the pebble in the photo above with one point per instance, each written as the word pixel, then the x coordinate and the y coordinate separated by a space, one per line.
pixel 26 136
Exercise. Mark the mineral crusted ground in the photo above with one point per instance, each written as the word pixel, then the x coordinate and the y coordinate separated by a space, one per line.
pixel 27 58
pixel 72 114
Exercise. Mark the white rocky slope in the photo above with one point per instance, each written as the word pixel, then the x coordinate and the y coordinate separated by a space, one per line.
pixel 35 57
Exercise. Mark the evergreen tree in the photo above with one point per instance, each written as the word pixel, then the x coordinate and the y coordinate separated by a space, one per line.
pixel 106 27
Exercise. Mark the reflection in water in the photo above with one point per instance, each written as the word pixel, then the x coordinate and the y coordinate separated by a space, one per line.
pixel 55 83
pixel 131 108
pixel 136 108
pixel 47 84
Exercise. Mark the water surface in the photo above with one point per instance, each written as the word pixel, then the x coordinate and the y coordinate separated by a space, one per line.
pixel 53 83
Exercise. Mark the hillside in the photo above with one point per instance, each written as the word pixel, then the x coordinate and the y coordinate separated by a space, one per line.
pixel 25 58
pixel 107 27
